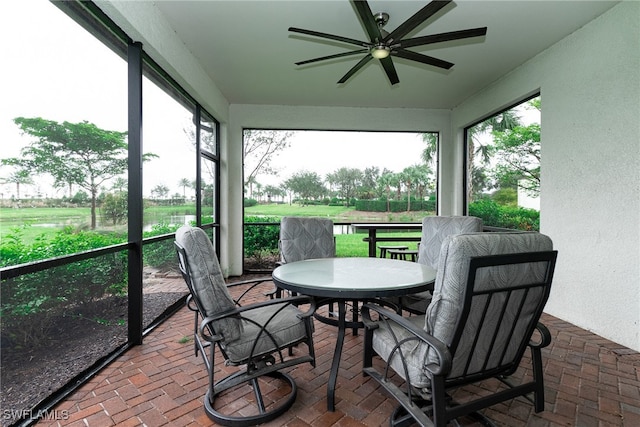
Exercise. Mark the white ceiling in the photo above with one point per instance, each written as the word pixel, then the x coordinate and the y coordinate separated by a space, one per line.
pixel 247 51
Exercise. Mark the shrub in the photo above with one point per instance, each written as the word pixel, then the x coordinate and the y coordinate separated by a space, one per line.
pixel 495 215
pixel 29 300
pixel 160 254
pixel 250 202
pixel 114 208
pixel 260 238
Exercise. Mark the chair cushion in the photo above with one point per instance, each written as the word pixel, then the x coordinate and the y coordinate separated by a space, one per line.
pixel 306 238
pixel 443 313
pixel 453 268
pixel 414 352
pixel 208 282
pixel 285 328
pixel 436 228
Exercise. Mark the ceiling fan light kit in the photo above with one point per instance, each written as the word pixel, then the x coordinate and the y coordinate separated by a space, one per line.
pixel 380 51
pixel 383 45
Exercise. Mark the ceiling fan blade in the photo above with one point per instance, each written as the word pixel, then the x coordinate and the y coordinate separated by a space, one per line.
pixel 355 68
pixel 387 64
pixel 363 9
pixel 329 36
pixel 418 18
pixel 443 37
pixel 413 56
pixel 338 55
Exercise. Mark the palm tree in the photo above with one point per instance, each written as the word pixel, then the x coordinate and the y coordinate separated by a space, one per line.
pixel 384 185
pixel 414 176
pixel 431 150
pixel 21 176
pixel 250 181
pixel 184 183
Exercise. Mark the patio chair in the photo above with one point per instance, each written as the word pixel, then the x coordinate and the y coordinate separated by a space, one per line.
pixel 308 238
pixel 489 293
pixel 251 336
pixel 305 238
pixel 434 230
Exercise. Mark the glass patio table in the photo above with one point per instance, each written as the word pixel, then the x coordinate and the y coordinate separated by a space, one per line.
pixel 346 279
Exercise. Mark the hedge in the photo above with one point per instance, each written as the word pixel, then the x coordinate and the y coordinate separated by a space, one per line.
pixel 261 238
pixel 395 205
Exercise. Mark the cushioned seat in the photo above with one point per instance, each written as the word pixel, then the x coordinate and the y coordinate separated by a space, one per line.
pixel 489 293
pixel 280 328
pixel 253 336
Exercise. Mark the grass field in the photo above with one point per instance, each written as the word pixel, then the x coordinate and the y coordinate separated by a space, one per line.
pixel 351 245
pixel 39 221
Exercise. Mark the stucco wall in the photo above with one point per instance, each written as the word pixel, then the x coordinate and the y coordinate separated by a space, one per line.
pixel 590 174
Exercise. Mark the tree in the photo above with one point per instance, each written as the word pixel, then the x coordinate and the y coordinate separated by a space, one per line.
pixel 307 185
pixel 19 177
pixel 114 207
pixel 422 179
pixel 260 147
pixel 518 157
pixel 160 191
pixel 80 198
pixel 73 153
pixel 416 176
pixel 249 182
pixel 431 149
pixel 385 182
pixel 347 180
pixel 272 191
pixel 119 185
pixel 505 120
pixel 369 182
pixel 184 183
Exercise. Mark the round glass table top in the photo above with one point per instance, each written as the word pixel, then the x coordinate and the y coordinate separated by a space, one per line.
pixel 354 277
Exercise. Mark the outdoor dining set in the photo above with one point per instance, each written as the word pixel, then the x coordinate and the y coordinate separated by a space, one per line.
pixel 461 308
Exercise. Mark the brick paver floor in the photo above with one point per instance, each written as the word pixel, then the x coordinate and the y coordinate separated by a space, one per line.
pixel 589 381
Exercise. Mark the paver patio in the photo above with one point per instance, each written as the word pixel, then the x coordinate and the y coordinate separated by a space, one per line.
pixel 589 381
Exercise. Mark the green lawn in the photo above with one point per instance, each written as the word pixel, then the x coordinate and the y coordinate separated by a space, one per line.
pixel 351 245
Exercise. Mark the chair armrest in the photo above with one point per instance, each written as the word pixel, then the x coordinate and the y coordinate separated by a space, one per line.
pixel 255 282
pixel 545 337
pixel 385 315
pixel 237 312
pixel 191 304
pixel 258 280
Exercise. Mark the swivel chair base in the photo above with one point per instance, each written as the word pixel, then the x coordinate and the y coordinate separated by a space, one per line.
pixel 263 414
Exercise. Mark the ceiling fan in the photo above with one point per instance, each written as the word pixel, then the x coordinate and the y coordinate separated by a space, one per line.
pixel 382 45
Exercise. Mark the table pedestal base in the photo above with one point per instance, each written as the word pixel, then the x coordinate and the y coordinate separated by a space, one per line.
pixel 342 323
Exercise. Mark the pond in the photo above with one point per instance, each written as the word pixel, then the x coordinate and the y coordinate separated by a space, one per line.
pixel 150 221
